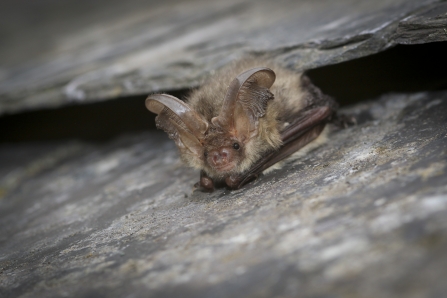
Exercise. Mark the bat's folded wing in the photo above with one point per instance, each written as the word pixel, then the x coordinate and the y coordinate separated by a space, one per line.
pixel 306 128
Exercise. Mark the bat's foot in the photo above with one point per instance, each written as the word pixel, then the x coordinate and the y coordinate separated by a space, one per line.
pixel 201 188
pixel 206 184
pixel 232 182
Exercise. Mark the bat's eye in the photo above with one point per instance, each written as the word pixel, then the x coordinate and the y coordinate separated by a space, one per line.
pixel 236 146
pixel 205 154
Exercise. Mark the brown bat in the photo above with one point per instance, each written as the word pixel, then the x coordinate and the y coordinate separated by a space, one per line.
pixel 239 123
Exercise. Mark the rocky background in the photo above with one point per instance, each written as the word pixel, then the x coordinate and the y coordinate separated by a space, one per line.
pixel 364 215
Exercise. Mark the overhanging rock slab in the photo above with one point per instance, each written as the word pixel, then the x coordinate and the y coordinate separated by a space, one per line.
pixel 84 52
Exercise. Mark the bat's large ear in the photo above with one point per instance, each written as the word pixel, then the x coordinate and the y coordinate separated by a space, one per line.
pixel 186 127
pixel 245 102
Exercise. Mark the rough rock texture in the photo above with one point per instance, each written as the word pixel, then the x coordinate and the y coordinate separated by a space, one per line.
pixel 87 51
pixel 426 26
pixel 365 215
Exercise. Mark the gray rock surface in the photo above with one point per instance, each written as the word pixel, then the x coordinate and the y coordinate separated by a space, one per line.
pixel 364 215
pixel 428 25
pixel 84 51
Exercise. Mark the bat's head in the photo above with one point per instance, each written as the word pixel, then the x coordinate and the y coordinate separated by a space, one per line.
pixel 229 143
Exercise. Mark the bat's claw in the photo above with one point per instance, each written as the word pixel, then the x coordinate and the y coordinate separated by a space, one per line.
pixel 199 187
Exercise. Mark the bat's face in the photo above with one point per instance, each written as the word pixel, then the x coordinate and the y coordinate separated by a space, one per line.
pixel 223 152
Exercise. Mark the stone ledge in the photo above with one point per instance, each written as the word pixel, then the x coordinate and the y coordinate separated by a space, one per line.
pixel 363 215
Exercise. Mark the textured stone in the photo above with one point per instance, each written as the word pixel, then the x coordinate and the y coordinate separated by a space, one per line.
pixel 84 51
pixel 429 25
pixel 365 215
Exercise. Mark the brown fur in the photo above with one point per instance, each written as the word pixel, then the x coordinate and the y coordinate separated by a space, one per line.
pixel 288 100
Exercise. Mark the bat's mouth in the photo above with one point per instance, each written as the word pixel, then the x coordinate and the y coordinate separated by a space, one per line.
pixel 225 168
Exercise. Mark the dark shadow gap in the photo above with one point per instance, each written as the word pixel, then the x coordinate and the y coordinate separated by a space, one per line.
pixel 401 69
pixel 93 122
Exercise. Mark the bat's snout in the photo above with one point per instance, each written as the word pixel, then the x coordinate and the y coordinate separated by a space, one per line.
pixel 221 159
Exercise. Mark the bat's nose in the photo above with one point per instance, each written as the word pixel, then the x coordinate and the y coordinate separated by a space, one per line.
pixel 220 157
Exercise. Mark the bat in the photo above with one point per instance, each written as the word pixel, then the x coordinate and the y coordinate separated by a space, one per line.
pixel 249 116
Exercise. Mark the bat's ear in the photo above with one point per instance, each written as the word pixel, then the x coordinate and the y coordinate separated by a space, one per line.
pixel 245 102
pixel 186 127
